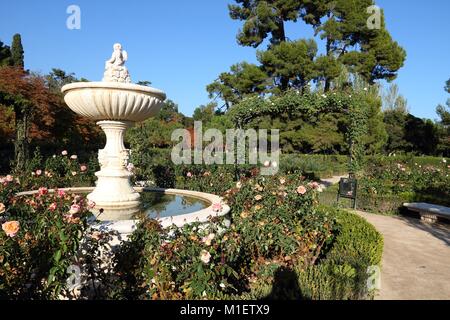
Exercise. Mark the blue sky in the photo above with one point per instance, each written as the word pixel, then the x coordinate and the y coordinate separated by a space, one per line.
pixel 181 46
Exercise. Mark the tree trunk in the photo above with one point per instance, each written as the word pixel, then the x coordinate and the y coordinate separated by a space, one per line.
pixel 21 147
pixel 328 80
pixel 279 36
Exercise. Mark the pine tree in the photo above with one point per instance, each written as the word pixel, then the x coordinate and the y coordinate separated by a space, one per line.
pixel 243 79
pixel 17 53
pixel 292 61
pixel 264 18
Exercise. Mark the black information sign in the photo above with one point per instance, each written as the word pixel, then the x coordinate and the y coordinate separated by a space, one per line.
pixel 347 189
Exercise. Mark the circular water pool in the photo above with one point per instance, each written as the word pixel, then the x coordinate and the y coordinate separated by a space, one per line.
pixel 158 205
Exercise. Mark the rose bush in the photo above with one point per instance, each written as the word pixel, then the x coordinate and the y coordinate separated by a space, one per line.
pixel 272 226
pixel 39 238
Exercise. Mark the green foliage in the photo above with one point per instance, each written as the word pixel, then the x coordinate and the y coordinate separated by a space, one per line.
pixel 204 113
pixel 58 171
pixel 290 64
pixel 311 105
pixel 34 260
pixel 274 222
pixel 17 57
pixel 340 274
pixel 343 273
pixel 242 80
pixel 263 18
pixel 5 55
pixel 411 180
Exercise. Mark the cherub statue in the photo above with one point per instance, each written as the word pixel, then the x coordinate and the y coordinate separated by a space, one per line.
pixel 115 70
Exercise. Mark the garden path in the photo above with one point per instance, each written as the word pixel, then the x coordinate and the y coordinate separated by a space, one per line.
pixel 416 258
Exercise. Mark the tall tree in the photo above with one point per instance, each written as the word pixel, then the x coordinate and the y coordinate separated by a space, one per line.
pixel 290 61
pixel 243 79
pixel 17 53
pixel 204 113
pixel 263 19
pixel 343 25
pixel 393 100
pixel 444 124
pixel 24 93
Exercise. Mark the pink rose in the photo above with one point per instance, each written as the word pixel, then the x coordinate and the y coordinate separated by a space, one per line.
pixel 313 185
pixel 189 174
pixel 9 178
pixel 74 209
pixel 217 207
pixel 301 190
pixel 64 153
pixel 61 193
pixel 38 172
pixel 83 168
pixel 42 191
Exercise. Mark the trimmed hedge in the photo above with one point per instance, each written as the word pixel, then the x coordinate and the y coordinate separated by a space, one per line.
pixel 341 274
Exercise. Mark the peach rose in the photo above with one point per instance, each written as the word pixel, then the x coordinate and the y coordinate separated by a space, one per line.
pixel 11 228
pixel 83 168
pixel 2 208
pixel 64 152
pixel 207 240
pixel 301 190
pixel 9 178
pixel 205 256
pixel 53 206
pixel 258 197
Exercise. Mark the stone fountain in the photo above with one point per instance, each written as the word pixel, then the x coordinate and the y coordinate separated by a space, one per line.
pixel 116 104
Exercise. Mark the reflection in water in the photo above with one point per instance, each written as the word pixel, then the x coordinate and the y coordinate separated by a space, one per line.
pixel 160 205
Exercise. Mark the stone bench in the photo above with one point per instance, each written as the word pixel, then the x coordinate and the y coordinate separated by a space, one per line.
pixel 429 212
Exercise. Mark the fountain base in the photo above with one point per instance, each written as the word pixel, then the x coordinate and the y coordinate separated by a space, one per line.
pixel 114 196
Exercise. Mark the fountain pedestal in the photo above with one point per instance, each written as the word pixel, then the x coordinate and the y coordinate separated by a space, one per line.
pixel 114 192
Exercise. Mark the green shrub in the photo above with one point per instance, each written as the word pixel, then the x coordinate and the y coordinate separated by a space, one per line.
pixel 46 233
pixel 343 273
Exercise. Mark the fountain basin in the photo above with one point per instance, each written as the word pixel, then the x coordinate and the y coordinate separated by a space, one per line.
pixel 126 224
pixel 113 100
